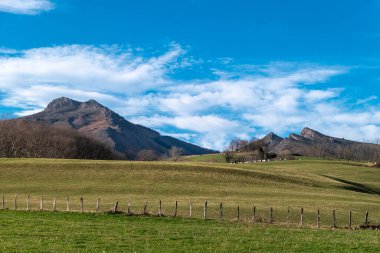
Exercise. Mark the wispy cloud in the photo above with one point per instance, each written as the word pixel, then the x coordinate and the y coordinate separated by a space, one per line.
pixel 243 101
pixel 211 130
pixel 366 100
pixel 7 51
pixel 25 7
pixel 35 75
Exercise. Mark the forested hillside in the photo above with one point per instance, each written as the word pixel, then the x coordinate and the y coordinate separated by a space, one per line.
pixel 21 138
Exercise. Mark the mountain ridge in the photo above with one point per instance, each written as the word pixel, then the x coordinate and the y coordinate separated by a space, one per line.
pixel 108 127
pixel 313 143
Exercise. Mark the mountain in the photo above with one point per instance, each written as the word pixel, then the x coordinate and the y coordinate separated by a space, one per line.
pixel 108 127
pixel 271 140
pixel 313 143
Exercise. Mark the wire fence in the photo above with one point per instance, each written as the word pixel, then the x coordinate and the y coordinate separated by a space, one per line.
pixel 290 216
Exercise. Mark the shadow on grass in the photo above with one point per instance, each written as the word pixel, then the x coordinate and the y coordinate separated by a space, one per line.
pixel 352 186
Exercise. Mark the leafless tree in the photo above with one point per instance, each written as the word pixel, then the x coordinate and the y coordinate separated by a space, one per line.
pixel 175 152
pixel 147 155
pixel 21 138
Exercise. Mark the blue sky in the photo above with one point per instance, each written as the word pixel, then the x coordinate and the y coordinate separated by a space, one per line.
pixel 201 70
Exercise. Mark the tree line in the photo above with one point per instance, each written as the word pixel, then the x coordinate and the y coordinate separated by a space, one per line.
pixel 24 139
pixel 174 154
pixel 21 138
pixel 240 150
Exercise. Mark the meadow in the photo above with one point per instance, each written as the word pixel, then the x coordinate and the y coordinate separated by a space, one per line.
pixel 308 184
pixel 73 232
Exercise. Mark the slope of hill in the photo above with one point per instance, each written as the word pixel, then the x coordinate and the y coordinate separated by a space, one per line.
pixel 311 184
pixel 110 128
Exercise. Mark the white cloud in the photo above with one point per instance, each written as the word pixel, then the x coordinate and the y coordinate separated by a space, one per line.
pixel 209 130
pixel 27 112
pixel 82 68
pixel 366 100
pixel 7 51
pixel 200 124
pixel 183 136
pixel 247 100
pixel 26 7
pixel 318 95
pixel 36 97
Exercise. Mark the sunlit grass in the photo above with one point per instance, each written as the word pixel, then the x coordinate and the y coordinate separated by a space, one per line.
pixel 293 184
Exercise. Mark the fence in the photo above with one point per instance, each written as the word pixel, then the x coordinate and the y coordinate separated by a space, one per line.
pixel 217 211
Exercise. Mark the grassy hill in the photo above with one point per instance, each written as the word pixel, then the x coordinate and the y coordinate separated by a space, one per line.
pixel 308 184
pixel 216 158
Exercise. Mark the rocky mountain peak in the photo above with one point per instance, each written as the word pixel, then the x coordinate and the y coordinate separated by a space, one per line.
pixel 93 103
pixel 310 133
pixel 272 136
pixel 271 139
pixel 294 136
pixel 62 103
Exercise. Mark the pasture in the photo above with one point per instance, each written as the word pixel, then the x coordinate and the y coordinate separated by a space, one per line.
pixel 72 232
pixel 282 185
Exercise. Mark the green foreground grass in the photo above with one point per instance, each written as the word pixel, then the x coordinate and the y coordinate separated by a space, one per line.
pixel 309 184
pixel 72 232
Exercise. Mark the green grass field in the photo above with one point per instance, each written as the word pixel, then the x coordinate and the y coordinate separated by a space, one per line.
pixel 309 184
pixel 72 232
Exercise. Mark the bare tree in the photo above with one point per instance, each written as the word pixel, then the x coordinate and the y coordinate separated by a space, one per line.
pixel 175 152
pixel 21 138
pixel 238 144
pixel 147 155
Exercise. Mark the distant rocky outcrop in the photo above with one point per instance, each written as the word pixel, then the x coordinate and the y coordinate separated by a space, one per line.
pixel 313 143
pixel 271 140
pixel 108 127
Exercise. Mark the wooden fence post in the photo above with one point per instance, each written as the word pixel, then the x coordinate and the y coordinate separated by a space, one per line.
pixel 350 220
pixel 28 202
pixel 221 212
pixel 318 219
pixel 288 216
pixel 176 209
pixel 366 219
pixel 334 219
pixel 67 204
pixel 301 217
pixel 97 205
pixel 145 208
pixel 160 209
pixel 129 208
pixel 271 215
pixel 114 210
pixel 3 202
pixel 42 203
pixel 205 211
pixel 238 213
pixel 54 204
pixel 16 202
pixel 191 210
pixel 81 205
pixel 254 213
